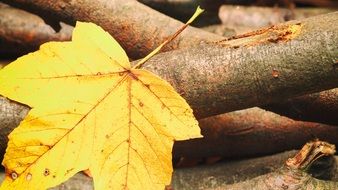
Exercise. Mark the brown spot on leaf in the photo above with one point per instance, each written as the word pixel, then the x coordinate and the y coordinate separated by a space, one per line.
pixel 141 104
pixel 46 172
pixel 14 175
pixel 69 170
pixel 29 177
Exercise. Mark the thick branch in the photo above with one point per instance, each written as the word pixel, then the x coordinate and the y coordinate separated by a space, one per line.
pixel 318 107
pixel 138 28
pixel 252 132
pixel 257 68
pixel 22 32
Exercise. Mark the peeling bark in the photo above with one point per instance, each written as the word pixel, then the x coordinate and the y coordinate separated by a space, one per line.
pixel 22 32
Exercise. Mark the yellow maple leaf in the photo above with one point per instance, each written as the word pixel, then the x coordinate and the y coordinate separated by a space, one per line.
pixel 91 110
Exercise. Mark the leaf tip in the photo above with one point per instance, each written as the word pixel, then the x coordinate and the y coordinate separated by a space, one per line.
pixel 196 14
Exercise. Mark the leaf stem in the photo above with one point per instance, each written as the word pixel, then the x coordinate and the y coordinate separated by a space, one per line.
pixel 151 54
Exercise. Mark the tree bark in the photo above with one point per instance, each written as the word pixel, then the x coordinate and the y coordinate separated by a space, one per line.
pixel 269 65
pixel 252 132
pixel 138 28
pixel 22 32
pixel 317 107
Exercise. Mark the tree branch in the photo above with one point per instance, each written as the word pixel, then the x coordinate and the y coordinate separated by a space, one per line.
pixel 22 32
pixel 252 132
pixel 138 28
pixel 269 65
pixel 317 107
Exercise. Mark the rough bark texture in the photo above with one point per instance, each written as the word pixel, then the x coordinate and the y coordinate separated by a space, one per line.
pixel 138 28
pixel 22 32
pixel 227 172
pixel 282 180
pixel 318 107
pixel 11 114
pixel 269 65
pixel 252 132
